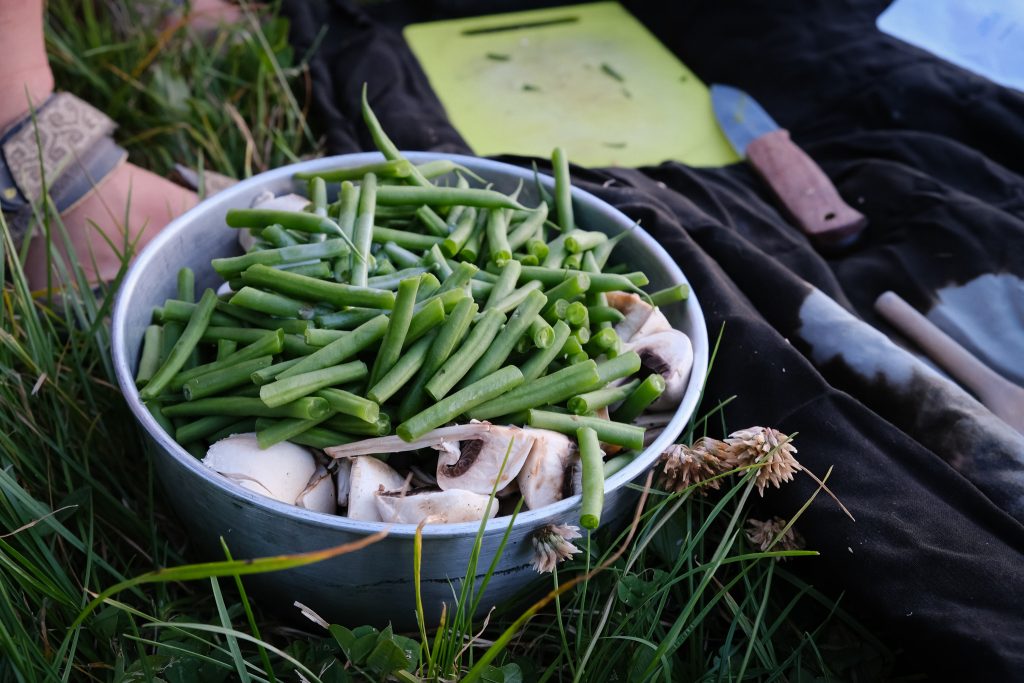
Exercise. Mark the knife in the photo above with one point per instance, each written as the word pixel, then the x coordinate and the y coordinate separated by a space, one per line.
pixel 798 182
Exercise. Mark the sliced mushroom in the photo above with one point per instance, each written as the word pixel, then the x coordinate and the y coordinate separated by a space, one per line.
pixel 284 472
pixel 641 319
pixel 438 507
pixel 474 464
pixel 319 493
pixel 670 355
pixel 548 474
pixel 343 477
pixel 368 476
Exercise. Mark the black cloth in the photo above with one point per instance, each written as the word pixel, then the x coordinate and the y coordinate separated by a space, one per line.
pixel 934 156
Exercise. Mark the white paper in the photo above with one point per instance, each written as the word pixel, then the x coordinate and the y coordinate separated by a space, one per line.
pixel 984 36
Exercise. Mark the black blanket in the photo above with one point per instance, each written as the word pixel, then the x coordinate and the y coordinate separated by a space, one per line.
pixel 934 156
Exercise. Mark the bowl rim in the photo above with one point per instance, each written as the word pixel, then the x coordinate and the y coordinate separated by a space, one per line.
pixel 526 518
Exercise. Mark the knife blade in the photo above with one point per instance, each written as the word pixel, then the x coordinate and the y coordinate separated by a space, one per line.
pixel 799 183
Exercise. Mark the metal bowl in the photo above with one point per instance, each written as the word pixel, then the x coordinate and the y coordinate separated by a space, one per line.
pixel 374 585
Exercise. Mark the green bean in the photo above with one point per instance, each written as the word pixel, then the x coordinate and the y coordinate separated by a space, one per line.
pixel 563 190
pixel 599 282
pixel 178 311
pixel 569 288
pixel 541 333
pixel 537 248
pixel 440 167
pixel 383 142
pixel 498 352
pixel 391 281
pixel 604 340
pixel 497 236
pixel 628 436
pixel 431 195
pixel 295 346
pixel 621 366
pixel 382 265
pixel 245 425
pixel 397 168
pixel 593 401
pixel 271 304
pixel 582 240
pixel 461 275
pixel 461 361
pixel 158 414
pixel 429 286
pixel 514 299
pixel 321 437
pixel 526 259
pixel 398 326
pixel 149 361
pixel 212 383
pixel 289 220
pixel 270 432
pixel 202 428
pixel 348 198
pixel 602 251
pixel 182 349
pixel 576 315
pixel 573 262
pixel 225 348
pixel 402 371
pixel 506 283
pixel 341 349
pixel 362 232
pixel 474 244
pixel 187 285
pixel 461 231
pixel 434 224
pixel 528 228
pixel 670 295
pixel 643 396
pixel 407 240
pixel 348 424
pixel 285 390
pixel 605 314
pixel 318 196
pixel 576 358
pixel 462 401
pixel 553 388
pixel 448 337
pixel 556 252
pixel 592 461
pixel 537 364
pixel 289 325
pixel 618 463
pixel 400 255
pixel 342 320
pixel 555 311
pixel 306 408
pixel 278 236
pixel 347 403
pixel 267 375
pixel 307 288
pixel 430 316
pixel 233 265
pixel 434 258
pixel 263 343
pixel 572 345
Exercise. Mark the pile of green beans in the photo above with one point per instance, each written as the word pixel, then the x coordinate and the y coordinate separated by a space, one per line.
pixel 404 304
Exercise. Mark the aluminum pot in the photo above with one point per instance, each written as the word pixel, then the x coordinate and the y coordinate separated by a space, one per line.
pixel 374 585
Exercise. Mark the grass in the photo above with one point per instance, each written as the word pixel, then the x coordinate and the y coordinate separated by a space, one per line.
pixel 677 595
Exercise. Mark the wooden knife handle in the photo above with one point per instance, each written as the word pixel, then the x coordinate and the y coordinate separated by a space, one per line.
pixel 804 190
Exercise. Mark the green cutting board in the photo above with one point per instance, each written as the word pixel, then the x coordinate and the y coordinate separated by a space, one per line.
pixel 589 78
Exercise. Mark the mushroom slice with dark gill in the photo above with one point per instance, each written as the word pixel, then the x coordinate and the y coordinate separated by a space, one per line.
pixel 437 507
pixel 669 354
pixel 551 471
pixel 471 455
